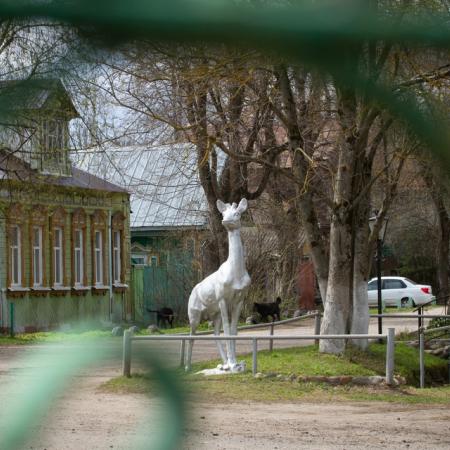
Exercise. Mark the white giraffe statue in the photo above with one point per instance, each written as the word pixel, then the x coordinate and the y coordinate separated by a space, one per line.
pixel 219 296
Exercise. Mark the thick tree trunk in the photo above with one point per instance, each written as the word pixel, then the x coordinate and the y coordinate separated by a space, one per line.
pixel 338 305
pixel 360 315
pixel 438 193
pixel 338 299
pixel 443 253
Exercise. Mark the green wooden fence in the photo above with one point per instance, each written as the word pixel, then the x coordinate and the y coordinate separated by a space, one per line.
pixel 156 287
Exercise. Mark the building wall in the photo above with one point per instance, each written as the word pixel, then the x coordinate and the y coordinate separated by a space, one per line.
pixel 54 309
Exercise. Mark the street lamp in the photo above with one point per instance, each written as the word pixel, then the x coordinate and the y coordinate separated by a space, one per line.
pixel 380 238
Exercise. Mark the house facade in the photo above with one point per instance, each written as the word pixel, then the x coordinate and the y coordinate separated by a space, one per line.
pixel 64 233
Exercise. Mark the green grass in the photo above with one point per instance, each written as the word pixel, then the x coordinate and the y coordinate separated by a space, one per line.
pixel 240 387
pixel 395 310
pixel 301 361
pixel 186 329
pixel 406 363
pixel 51 336
pixel 137 384
pixel 306 361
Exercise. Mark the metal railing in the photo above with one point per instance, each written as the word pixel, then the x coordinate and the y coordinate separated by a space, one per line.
pixel 317 315
pixel 208 335
pixel 420 317
pixel 128 338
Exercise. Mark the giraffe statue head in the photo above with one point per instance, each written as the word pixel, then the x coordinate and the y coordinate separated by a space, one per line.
pixel 232 213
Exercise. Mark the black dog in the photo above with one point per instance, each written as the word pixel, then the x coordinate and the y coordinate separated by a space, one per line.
pixel 268 309
pixel 164 316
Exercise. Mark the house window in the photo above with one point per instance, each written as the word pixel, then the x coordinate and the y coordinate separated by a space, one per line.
pixel 117 256
pixel 58 273
pixel 15 221
pixel 78 256
pixel 118 251
pixel 54 136
pixel 98 257
pixel 53 151
pixel 137 259
pixel 38 231
pixel 58 257
pixel 16 256
pixel 79 277
pixel 37 256
pixel 98 241
pixel 154 261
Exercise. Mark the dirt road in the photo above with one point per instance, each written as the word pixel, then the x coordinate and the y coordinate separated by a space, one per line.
pixel 86 418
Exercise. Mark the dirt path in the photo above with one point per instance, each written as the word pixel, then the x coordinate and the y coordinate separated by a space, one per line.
pixel 89 419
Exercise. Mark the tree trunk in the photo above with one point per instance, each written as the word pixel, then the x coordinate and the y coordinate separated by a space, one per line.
pixel 443 253
pixel 433 178
pixel 360 314
pixel 338 305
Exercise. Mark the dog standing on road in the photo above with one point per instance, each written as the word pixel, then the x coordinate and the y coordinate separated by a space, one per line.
pixel 268 309
pixel 164 316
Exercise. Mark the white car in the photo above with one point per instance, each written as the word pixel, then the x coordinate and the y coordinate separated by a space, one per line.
pixel 399 291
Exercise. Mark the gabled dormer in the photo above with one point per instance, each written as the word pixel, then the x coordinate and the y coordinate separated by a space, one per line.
pixel 36 128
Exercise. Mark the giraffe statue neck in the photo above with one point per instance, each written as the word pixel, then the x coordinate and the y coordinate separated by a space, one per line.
pixel 236 254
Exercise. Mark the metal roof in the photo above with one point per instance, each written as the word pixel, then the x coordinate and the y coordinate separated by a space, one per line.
pixel 163 182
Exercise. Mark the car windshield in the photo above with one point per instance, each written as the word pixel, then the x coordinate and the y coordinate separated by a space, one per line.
pixel 410 281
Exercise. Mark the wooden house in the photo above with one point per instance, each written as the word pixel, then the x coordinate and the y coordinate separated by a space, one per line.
pixel 64 233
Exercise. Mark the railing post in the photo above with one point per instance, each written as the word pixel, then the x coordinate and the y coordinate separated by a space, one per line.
pixel 317 320
pixel 11 319
pixel 419 313
pixel 390 352
pixel 127 353
pixel 422 358
pixel 255 356
pixel 182 352
pixel 271 340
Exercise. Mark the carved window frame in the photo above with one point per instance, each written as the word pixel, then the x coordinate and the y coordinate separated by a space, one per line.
pixel 58 223
pixel 38 221
pixel 99 225
pixel 15 221
pixel 118 251
pixel 79 224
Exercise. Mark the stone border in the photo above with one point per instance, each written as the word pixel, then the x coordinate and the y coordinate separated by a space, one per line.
pixel 333 380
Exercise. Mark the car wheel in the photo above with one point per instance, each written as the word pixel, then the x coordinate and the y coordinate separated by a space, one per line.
pixel 404 301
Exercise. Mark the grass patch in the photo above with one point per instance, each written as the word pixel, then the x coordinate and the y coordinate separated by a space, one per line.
pixel 306 361
pixel 301 361
pixel 406 309
pixel 137 384
pixel 406 363
pixel 51 337
pixel 244 387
